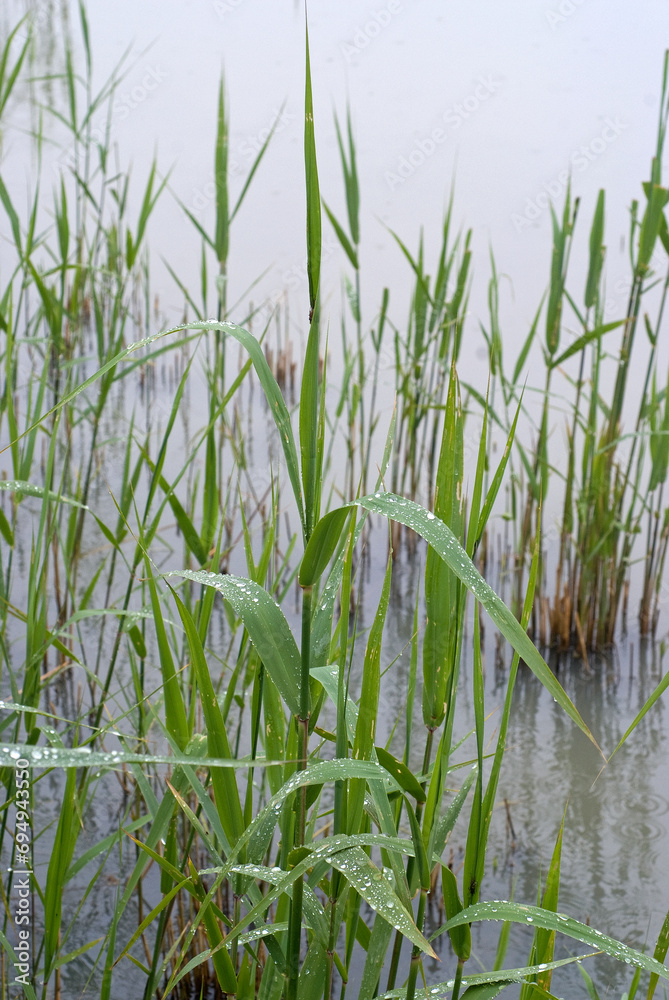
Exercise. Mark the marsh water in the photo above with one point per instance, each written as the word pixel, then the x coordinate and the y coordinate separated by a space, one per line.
pixel 506 102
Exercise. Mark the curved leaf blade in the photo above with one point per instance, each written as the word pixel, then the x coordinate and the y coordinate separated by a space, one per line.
pixel 266 625
pixel 401 773
pixel 535 916
pixel 321 546
pixel 444 542
pixel 273 395
pixel 503 977
pixel 371 884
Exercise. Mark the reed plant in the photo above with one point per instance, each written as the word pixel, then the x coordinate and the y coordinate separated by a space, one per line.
pixel 269 841
pixel 611 488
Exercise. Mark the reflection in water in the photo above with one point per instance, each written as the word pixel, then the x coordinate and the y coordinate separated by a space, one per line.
pixel 51 38
pixel 615 873
pixel 615 867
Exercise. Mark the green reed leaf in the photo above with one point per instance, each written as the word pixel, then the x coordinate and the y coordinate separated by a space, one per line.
pixel 461 938
pixel 405 778
pixel 648 704
pixel 497 479
pixel 659 954
pixel 266 625
pixel 321 546
pixel 176 716
pixel 82 757
pixel 363 744
pixel 309 429
pixel 442 539
pixel 501 979
pixel 6 530
pixel 348 247
pixel 351 183
pixel 545 938
pixel 61 856
pixel 556 294
pixel 8 76
pixel 442 589
pixel 363 875
pixel 226 793
pixel 586 338
pixel 597 253
pixel 313 192
pixel 222 238
pixel 536 916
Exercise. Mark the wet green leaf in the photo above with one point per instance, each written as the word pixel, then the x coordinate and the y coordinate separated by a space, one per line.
pixel 266 625
pixel 441 538
pixel 534 916
pixel 401 773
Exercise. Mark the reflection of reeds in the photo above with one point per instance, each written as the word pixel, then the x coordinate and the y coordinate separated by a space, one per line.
pixel 288 841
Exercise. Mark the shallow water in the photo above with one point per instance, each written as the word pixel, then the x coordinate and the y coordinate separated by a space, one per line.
pixel 615 866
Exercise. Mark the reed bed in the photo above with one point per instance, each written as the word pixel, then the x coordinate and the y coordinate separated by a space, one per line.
pixel 263 840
